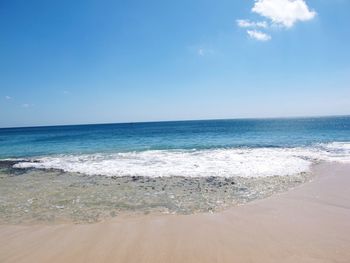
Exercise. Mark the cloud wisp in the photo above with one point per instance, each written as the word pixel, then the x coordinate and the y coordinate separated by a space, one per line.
pixel 27 105
pixel 245 23
pixel 281 13
pixel 8 97
pixel 202 52
pixel 258 35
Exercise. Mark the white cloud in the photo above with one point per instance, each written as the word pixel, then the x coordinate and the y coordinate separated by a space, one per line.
pixel 262 24
pixel 248 23
pixel 8 97
pixel 258 35
pixel 284 12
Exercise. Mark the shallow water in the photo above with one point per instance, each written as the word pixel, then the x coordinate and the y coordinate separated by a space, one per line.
pixel 31 195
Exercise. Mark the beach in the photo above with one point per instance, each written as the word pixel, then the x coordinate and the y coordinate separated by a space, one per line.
pixel 175 131
pixel 309 223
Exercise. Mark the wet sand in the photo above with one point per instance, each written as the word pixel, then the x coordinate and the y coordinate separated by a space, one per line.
pixel 310 223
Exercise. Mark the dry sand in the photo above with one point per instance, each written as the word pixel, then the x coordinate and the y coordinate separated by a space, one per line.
pixel 308 224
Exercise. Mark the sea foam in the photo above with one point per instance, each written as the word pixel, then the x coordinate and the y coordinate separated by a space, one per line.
pixel 245 162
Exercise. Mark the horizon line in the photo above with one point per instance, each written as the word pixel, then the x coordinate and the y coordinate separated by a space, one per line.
pixel 180 120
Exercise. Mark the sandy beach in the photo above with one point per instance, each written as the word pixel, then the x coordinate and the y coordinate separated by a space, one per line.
pixel 175 131
pixel 310 223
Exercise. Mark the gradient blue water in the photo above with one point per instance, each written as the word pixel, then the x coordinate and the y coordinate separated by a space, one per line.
pixel 39 141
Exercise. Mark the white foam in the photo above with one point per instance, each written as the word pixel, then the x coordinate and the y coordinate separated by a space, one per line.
pixel 253 162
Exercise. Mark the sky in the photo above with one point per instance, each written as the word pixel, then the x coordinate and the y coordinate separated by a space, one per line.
pixel 75 62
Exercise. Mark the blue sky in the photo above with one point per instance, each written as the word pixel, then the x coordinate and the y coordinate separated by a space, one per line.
pixel 67 62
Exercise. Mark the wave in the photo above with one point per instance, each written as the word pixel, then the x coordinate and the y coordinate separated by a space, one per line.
pixel 245 162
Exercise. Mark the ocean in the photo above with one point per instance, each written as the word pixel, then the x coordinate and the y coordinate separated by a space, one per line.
pixel 246 147
pixel 91 172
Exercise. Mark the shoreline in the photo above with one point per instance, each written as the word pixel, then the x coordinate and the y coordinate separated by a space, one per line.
pixel 310 223
pixel 32 195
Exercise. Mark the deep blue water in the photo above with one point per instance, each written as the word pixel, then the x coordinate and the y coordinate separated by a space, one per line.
pixel 40 141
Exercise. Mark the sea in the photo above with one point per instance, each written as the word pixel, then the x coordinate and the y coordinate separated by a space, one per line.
pixel 243 147
pixel 86 172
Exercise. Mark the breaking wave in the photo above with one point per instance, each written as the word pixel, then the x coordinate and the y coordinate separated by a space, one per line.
pixel 245 162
